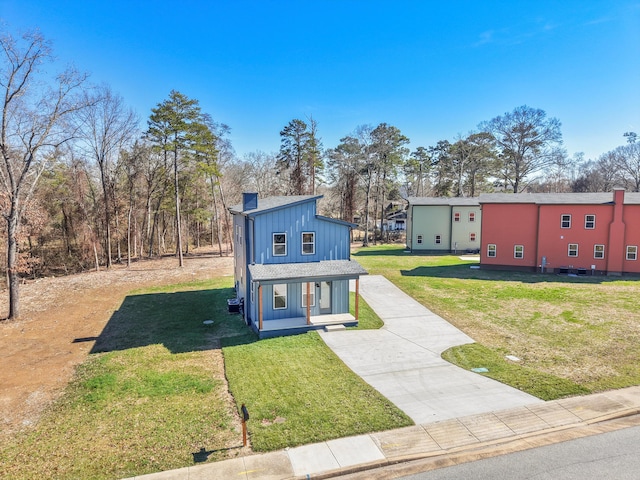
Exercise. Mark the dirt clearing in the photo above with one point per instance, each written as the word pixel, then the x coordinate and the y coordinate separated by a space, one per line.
pixel 61 317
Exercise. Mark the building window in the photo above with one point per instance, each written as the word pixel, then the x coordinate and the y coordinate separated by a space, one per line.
pixel 472 216
pixel 573 250
pixel 312 295
pixel 438 239
pixel 279 296
pixel 589 222
pixel 518 251
pixel 456 216
pixel 419 240
pixel 472 237
pixel 279 244
pixel 308 243
pixel 632 252
pixel 565 221
pixel 598 251
pixel 491 250
pixel 253 292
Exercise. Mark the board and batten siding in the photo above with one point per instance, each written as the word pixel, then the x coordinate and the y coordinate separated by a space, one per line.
pixel 339 300
pixel 331 239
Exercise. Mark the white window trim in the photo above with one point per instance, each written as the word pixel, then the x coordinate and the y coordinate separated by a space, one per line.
pixel 313 244
pixel 515 252
pixel 281 296
pixel 437 239
pixel 595 251
pixel 456 216
pixel 419 239
pixel 569 250
pixel 273 245
pixel 494 250
pixel 585 221
pixel 562 220
pixel 635 253
pixel 312 293
pixel 472 237
pixel 472 216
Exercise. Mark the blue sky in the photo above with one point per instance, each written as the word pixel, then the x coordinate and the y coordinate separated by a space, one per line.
pixel 432 69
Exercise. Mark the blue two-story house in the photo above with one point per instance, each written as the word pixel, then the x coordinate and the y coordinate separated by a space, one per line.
pixel 292 267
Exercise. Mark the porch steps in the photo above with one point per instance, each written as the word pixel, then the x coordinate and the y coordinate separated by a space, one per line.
pixel 334 328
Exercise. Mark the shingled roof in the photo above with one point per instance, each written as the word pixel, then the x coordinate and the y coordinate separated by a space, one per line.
pixel 447 201
pixel 273 203
pixel 309 272
pixel 597 198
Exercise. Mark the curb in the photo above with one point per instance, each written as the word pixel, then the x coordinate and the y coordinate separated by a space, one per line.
pixel 458 453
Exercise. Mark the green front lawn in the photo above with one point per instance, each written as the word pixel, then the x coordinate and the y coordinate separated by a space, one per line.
pixel 152 397
pixel 573 334
pixel 297 392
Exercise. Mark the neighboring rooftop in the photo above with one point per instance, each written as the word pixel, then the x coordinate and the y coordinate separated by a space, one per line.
pixel 597 198
pixel 453 201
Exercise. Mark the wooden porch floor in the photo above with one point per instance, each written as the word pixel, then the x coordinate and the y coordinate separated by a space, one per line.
pixel 301 322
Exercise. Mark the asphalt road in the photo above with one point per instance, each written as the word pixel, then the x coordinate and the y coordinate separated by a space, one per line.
pixel 612 455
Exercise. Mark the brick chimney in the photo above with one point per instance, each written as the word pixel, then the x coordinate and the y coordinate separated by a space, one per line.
pixel 615 256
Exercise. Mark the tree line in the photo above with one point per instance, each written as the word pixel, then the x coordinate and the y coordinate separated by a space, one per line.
pixel 86 183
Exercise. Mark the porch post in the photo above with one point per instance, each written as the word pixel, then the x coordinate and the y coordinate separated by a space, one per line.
pixel 308 303
pixel 260 307
pixel 357 295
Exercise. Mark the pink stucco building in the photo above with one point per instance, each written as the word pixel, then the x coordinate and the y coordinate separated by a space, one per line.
pixel 590 233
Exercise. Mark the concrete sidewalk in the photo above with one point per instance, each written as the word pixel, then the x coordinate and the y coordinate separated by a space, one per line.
pixel 430 440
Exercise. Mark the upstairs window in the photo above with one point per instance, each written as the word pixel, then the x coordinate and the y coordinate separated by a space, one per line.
pixel 456 216
pixel 598 251
pixel 573 250
pixel 472 216
pixel 632 252
pixel 279 244
pixel 518 251
pixel 438 239
pixel 279 296
pixel 491 250
pixel 565 221
pixel 308 243
pixel 589 222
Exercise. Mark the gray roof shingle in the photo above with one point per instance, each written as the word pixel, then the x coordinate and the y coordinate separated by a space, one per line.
pixel 309 271
pixel 273 203
pixel 447 201
pixel 597 198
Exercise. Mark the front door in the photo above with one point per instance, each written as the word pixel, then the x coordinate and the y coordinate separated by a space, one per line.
pixel 325 298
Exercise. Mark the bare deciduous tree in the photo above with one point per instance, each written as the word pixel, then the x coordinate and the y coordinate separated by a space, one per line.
pixel 33 126
pixel 105 128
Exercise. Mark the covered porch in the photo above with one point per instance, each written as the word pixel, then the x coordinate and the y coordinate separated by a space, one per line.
pixel 306 276
pixel 290 326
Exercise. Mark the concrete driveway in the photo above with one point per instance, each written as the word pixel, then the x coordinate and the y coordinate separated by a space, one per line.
pixel 402 360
